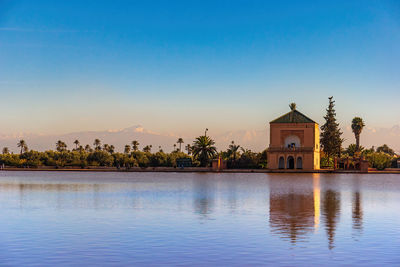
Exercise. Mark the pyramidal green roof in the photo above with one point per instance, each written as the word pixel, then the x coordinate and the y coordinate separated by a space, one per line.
pixel 293 116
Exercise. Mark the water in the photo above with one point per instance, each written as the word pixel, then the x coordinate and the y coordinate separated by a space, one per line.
pixel 92 219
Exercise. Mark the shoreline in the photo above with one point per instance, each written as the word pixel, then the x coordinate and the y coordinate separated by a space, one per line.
pixel 197 170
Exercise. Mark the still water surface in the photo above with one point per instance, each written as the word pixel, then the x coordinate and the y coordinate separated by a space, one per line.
pixel 65 218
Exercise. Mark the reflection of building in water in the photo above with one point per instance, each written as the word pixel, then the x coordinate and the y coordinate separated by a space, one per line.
pixel 294 212
pixel 330 212
pixel 317 201
pixel 291 215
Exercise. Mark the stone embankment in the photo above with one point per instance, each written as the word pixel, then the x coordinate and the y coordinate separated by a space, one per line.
pixel 193 169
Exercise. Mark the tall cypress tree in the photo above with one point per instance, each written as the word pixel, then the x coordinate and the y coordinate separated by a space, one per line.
pixel 331 140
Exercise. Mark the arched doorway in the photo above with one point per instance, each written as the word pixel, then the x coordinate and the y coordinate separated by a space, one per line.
pixel 281 163
pixel 299 163
pixel 290 163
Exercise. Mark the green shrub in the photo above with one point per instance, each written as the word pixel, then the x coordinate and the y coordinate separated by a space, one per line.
pixel 379 160
pixel 326 162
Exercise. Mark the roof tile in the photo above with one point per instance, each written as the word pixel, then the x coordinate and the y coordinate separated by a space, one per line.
pixel 293 116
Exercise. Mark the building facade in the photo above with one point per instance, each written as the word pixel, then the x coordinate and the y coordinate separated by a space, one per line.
pixel 294 142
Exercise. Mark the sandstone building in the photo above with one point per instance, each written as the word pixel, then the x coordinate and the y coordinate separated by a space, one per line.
pixel 294 142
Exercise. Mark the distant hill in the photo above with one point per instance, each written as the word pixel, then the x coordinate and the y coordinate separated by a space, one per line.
pixel 255 140
pixel 376 137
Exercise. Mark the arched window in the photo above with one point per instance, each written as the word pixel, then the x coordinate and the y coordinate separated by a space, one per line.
pixel 290 163
pixel 292 141
pixel 299 163
pixel 281 163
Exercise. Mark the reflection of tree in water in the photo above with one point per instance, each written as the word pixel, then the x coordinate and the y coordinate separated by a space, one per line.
pixel 59 193
pixel 292 214
pixel 330 212
pixel 357 213
pixel 203 201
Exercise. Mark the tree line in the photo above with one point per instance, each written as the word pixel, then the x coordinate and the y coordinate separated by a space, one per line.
pixel 201 152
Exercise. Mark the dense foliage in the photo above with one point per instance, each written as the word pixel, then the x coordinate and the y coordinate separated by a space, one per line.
pixel 95 158
pixel 326 162
pixel 383 157
pixel 379 160
pixel 244 158
pixel 385 149
pixel 201 154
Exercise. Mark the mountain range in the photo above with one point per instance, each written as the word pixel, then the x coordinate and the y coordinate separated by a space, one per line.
pixel 256 140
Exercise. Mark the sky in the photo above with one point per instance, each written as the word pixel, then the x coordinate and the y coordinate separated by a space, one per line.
pixel 178 67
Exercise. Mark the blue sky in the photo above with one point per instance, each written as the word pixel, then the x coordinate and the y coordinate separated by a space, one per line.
pixel 182 66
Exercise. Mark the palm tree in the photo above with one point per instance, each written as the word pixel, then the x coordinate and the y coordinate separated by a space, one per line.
pixel 111 149
pixel 76 142
pixel 106 147
pixel 88 148
pixel 61 146
pixel 180 142
pixel 204 149
pixel 97 144
pixel 352 149
pixel 246 151
pixel 135 145
pixel 147 148
pixel 188 149
pixel 174 147
pixel 357 125
pixel 233 150
pixel 21 144
pixel 127 149
pixel 6 150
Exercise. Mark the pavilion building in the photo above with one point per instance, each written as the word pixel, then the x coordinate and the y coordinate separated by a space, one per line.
pixel 294 142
